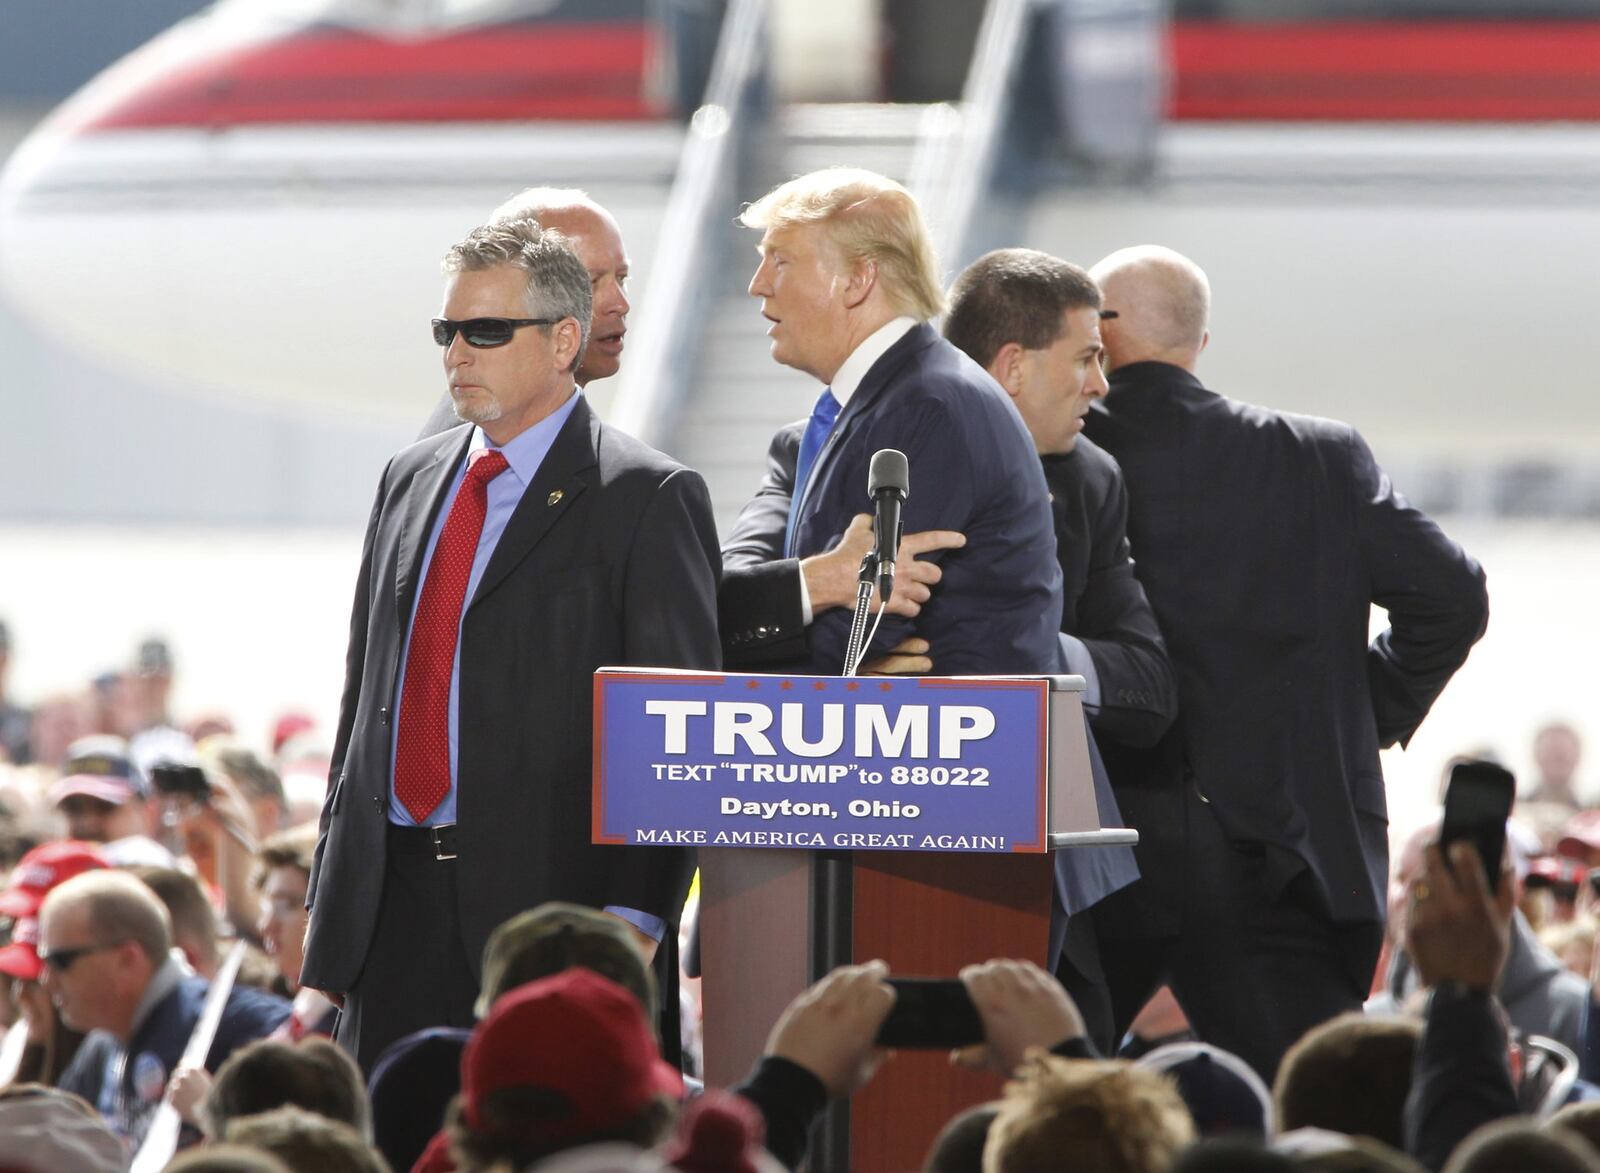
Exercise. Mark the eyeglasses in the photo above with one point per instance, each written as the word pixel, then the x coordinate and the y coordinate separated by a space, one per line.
pixel 61 960
pixel 484 332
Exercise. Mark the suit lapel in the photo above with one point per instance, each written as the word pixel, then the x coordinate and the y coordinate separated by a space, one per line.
pixel 554 488
pixel 872 387
pixel 424 499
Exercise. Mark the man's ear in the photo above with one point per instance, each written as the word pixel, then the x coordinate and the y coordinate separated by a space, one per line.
pixel 567 336
pixel 1007 367
pixel 860 284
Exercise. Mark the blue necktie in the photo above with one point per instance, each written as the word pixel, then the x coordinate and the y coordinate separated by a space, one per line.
pixel 822 417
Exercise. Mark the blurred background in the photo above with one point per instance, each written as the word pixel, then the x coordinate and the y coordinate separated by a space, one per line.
pixel 220 229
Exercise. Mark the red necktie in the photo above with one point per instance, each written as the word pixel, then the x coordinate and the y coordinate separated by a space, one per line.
pixel 422 755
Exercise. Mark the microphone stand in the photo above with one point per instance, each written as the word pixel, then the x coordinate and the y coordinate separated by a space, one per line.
pixel 858 621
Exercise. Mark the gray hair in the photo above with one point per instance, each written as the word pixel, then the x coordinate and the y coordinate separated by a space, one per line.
pixel 119 908
pixel 558 282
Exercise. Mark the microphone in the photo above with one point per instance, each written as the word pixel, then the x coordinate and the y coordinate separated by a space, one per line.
pixel 888 483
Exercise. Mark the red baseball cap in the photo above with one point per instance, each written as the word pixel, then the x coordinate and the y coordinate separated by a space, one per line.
pixel 290 725
pixel 20 959
pixel 1580 837
pixel 719 1132
pixel 42 869
pixel 574 1033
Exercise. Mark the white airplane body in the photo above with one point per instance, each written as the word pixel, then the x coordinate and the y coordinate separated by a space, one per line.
pixel 255 207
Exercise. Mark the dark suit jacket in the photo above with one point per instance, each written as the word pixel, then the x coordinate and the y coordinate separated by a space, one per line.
pixel 973 469
pixel 1263 540
pixel 621 568
pixel 1103 604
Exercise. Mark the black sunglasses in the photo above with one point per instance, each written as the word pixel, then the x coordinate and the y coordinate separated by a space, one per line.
pixel 484 332
pixel 61 960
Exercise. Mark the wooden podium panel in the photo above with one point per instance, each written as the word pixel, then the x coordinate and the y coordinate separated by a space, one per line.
pixel 755 950
pixel 927 916
pixel 774 921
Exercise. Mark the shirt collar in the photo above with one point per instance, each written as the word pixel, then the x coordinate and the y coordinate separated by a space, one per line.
pixel 161 983
pixel 526 451
pixel 873 347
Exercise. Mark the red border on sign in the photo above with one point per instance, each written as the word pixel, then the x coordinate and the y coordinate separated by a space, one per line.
pixel 597 769
pixel 1041 839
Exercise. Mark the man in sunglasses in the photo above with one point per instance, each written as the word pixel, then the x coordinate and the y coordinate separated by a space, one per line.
pixel 594 235
pixel 505 561
pixel 105 943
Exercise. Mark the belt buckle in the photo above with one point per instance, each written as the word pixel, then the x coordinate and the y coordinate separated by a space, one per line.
pixel 438 841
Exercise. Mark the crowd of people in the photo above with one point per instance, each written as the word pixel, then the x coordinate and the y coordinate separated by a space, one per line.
pixel 1486 1052
pixel 393 944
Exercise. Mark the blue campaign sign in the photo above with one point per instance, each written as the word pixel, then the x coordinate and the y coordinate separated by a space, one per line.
pixel 902 764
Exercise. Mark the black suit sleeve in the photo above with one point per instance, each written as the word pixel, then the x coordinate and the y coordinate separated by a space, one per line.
pixel 758 606
pixel 670 594
pixel 1138 692
pixel 1460 1078
pixel 790 1099
pixel 670 616
pixel 1435 595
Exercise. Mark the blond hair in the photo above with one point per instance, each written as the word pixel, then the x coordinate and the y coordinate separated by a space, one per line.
pixel 871 220
pixel 1111 1116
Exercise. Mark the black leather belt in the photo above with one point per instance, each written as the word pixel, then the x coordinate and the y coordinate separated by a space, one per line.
pixel 439 842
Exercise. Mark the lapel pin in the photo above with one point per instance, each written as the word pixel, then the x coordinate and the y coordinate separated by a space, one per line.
pixel 554 498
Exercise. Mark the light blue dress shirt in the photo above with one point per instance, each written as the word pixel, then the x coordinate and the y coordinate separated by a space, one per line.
pixel 524 454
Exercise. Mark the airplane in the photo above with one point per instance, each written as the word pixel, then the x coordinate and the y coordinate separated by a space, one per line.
pixel 196 212
pixel 252 205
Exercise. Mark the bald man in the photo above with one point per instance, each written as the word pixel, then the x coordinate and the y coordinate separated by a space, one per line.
pixel 105 940
pixel 594 236
pixel 1264 539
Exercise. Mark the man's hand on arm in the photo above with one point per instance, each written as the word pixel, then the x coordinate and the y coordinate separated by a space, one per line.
pixel 909 657
pixel 830 578
pixel 831 1027
pixel 1022 1007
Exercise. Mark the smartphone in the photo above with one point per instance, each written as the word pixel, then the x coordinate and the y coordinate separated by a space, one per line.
pixel 180 781
pixel 1477 803
pixel 934 1013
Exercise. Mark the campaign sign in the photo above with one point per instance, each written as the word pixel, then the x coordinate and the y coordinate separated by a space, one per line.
pixel 896 764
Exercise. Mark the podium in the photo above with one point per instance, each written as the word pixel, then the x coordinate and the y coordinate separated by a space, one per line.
pixel 774 919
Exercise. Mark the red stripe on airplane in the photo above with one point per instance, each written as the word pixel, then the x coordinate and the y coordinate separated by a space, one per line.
pixel 335 75
pixel 1498 71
